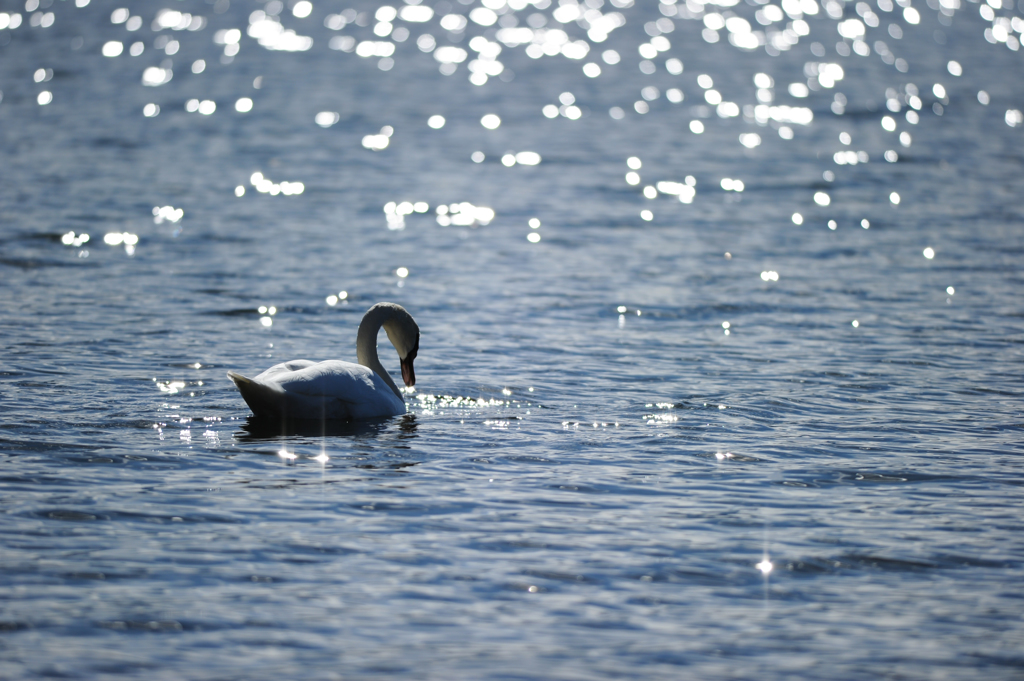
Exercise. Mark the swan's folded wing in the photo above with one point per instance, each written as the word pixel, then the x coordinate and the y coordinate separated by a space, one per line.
pixel 332 379
pixel 340 390
pixel 285 368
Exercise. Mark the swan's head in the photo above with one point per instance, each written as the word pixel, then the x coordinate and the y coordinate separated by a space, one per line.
pixel 408 375
pixel 404 334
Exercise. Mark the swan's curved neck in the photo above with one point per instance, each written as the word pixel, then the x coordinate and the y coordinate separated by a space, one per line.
pixel 366 344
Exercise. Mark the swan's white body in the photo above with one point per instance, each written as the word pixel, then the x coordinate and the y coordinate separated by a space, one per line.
pixel 337 390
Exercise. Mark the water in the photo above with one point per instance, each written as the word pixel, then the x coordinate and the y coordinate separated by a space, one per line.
pixel 619 425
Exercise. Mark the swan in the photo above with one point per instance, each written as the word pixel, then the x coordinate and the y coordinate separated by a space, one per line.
pixel 334 389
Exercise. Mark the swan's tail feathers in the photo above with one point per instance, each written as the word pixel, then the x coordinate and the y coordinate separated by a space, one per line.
pixel 238 379
pixel 262 399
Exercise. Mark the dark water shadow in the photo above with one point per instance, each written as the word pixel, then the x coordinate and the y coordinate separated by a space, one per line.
pixel 260 429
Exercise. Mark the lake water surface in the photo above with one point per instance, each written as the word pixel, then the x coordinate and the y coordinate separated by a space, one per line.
pixel 720 373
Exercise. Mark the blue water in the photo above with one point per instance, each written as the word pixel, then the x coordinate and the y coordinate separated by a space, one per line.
pixel 724 439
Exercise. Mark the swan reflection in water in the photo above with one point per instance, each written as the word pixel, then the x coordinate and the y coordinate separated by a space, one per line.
pixel 256 429
pixel 372 444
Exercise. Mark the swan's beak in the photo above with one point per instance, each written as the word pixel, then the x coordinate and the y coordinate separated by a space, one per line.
pixel 408 375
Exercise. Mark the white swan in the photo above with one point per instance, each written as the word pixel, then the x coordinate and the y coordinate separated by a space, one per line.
pixel 337 390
